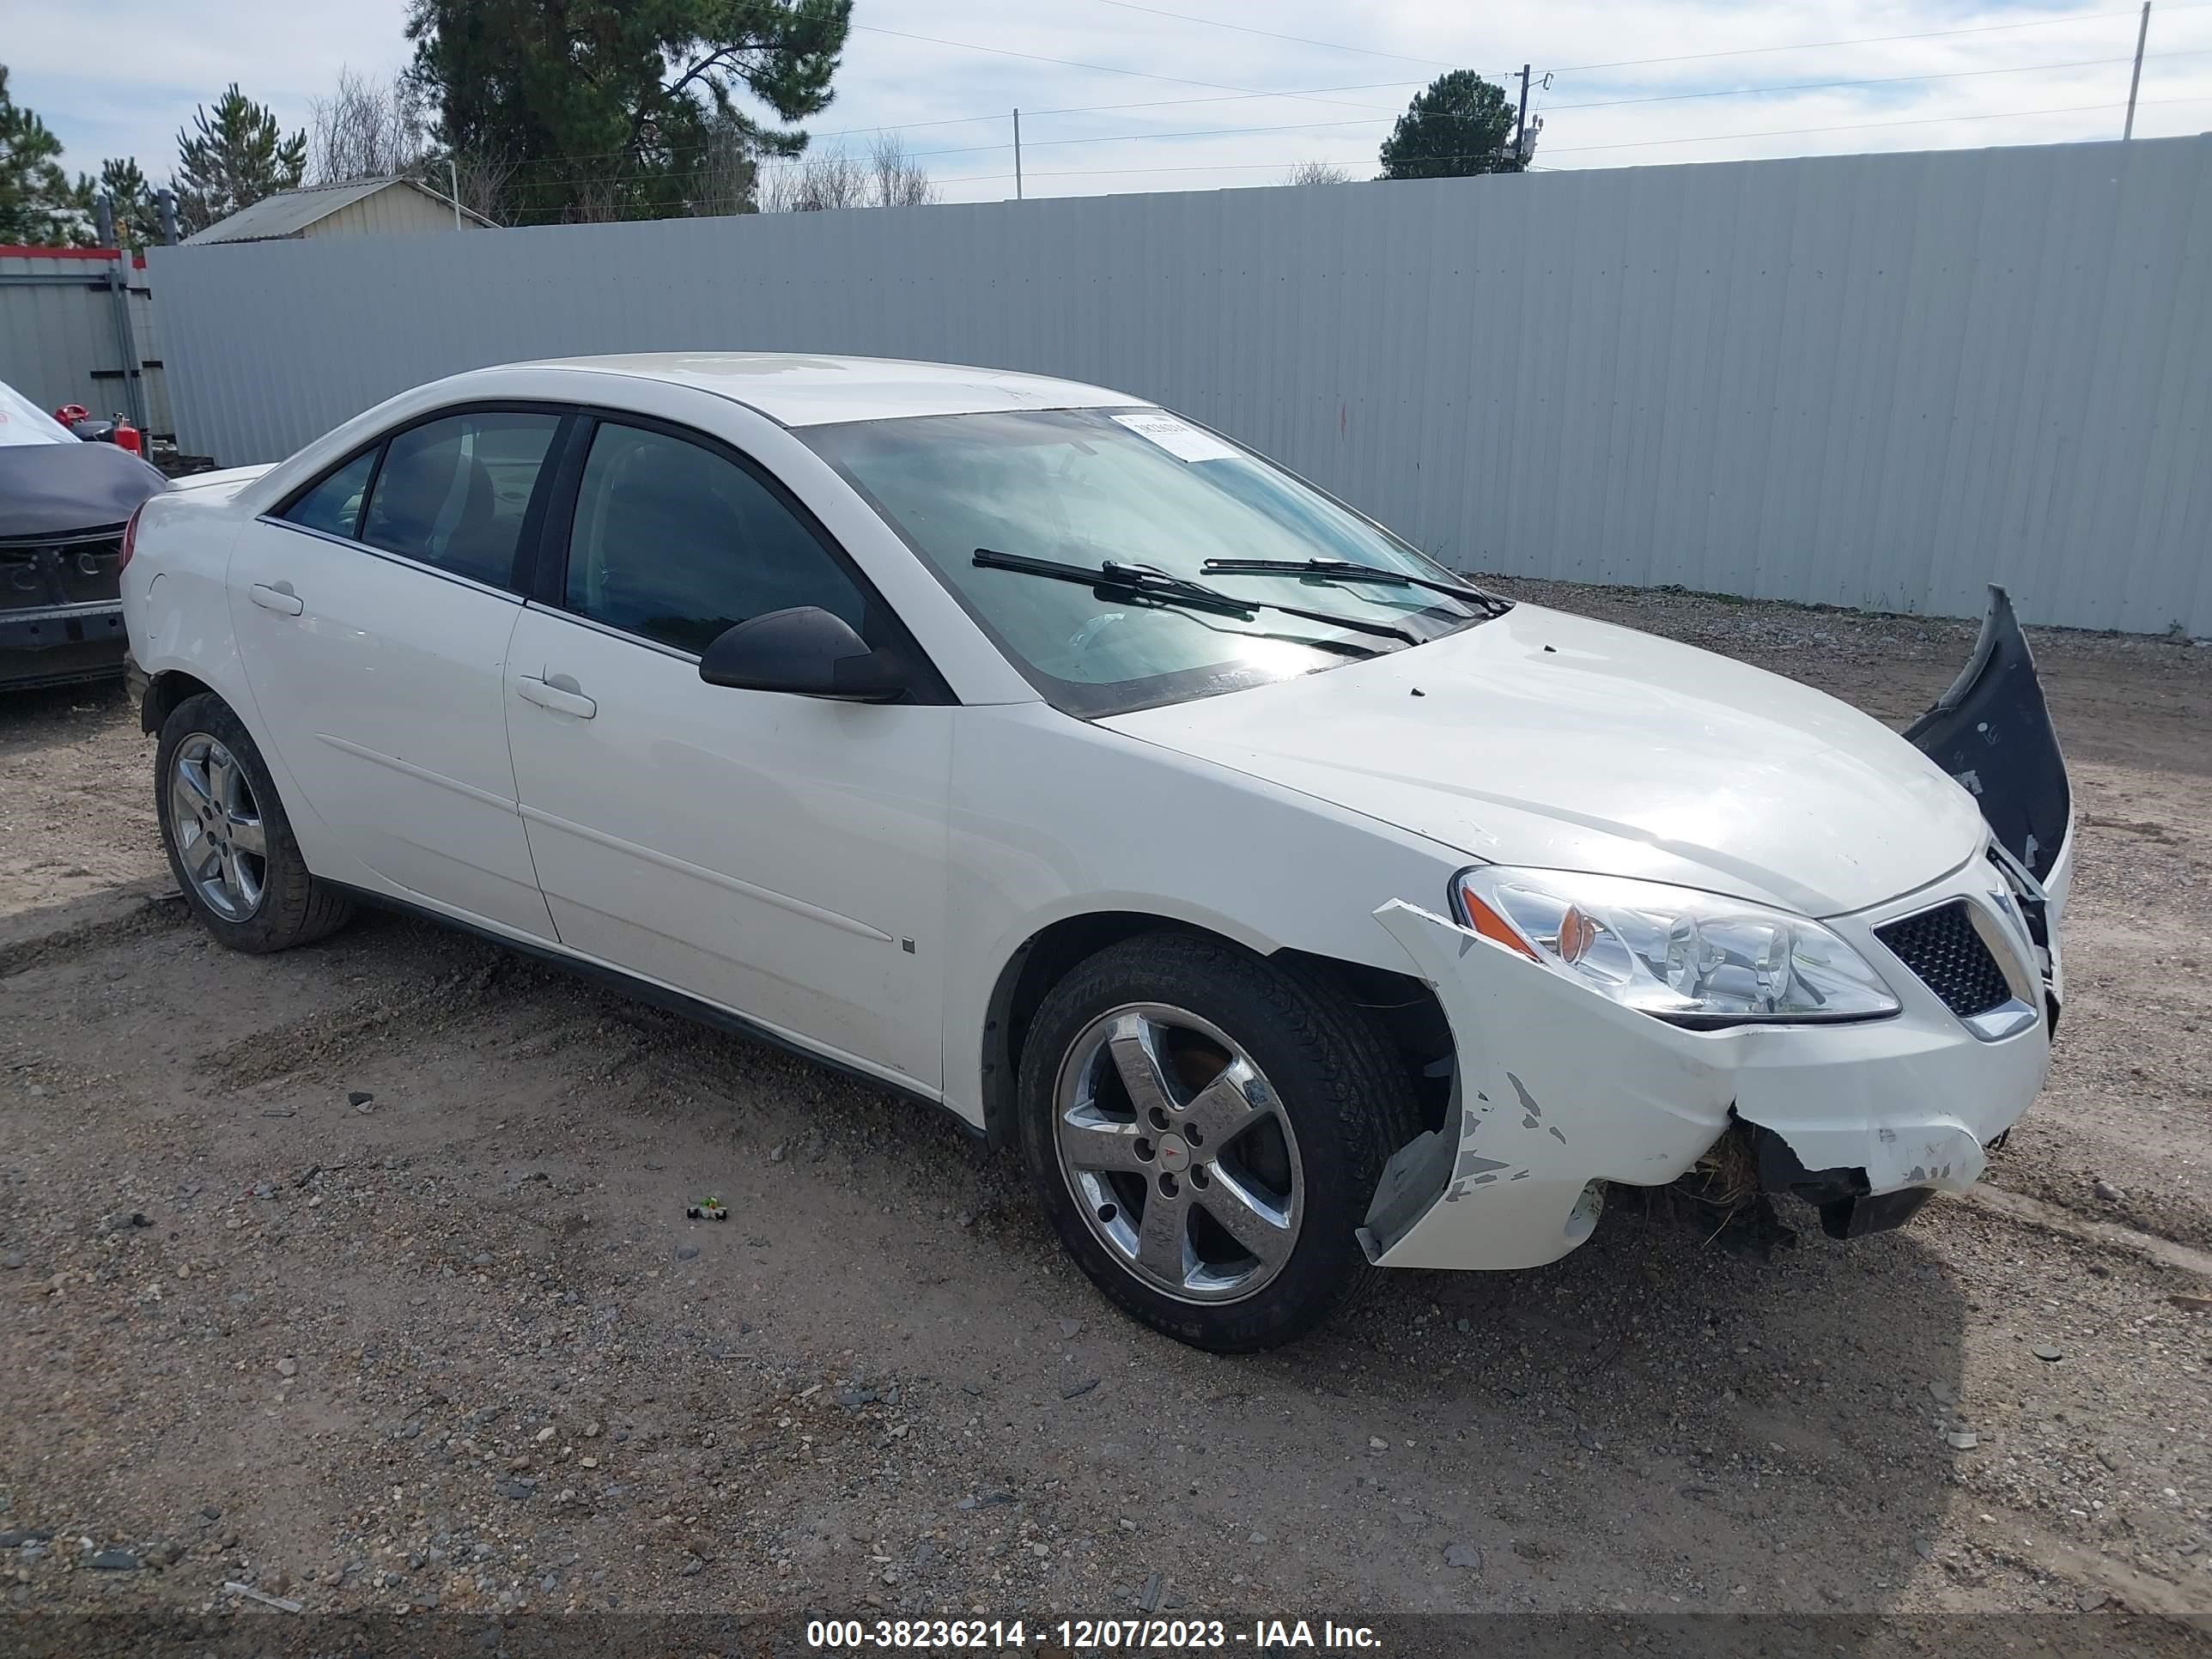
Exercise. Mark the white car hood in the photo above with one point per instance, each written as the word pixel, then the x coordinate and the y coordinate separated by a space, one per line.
pixel 1547 739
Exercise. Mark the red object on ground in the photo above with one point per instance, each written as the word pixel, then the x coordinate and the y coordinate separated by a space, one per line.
pixel 126 437
pixel 70 414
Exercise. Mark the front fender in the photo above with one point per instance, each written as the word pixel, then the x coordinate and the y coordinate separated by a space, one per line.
pixel 1556 1092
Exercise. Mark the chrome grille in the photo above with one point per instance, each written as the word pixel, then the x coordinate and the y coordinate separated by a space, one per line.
pixel 1944 947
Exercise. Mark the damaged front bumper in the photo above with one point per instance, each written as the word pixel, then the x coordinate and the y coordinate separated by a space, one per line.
pixel 1558 1093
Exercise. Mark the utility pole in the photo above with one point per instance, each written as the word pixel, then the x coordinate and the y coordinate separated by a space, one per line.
pixel 167 202
pixel 2143 33
pixel 1521 123
pixel 1017 156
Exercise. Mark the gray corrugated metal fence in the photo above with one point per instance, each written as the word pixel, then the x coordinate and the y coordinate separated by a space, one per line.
pixel 1872 381
pixel 61 341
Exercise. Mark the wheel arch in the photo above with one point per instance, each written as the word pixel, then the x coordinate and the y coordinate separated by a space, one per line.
pixel 165 690
pixel 1402 1004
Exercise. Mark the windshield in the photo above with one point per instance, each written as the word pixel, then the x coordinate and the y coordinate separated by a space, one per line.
pixel 1132 486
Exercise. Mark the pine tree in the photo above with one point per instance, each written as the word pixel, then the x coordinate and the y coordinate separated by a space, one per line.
pixel 622 109
pixel 234 157
pixel 137 215
pixel 1460 123
pixel 38 205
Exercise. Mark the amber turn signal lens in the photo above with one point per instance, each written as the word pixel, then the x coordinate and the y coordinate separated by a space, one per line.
pixel 1493 927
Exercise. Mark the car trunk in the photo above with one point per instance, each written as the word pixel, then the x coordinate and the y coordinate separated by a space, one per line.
pixel 63 508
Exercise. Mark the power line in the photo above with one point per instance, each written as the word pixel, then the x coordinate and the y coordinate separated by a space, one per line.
pixel 1036 57
pixel 1070 63
pixel 1880 80
pixel 1000 115
pixel 1718 138
pixel 1735 91
pixel 1275 34
pixel 1133 137
pixel 1147 103
pixel 1863 126
pixel 615 175
pixel 1229 95
pixel 1284 162
pixel 1870 39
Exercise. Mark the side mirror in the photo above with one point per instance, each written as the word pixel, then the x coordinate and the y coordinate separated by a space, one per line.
pixel 806 652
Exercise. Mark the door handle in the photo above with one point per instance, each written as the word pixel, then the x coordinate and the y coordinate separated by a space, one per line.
pixel 560 699
pixel 280 599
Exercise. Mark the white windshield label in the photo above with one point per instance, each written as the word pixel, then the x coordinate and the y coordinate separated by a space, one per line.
pixel 1179 438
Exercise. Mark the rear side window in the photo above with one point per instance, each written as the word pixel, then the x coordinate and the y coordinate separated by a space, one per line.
pixel 333 506
pixel 675 543
pixel 454 493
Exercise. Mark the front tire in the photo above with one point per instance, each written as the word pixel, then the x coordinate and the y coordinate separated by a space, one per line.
pixel 230 845
pixel 1205 1128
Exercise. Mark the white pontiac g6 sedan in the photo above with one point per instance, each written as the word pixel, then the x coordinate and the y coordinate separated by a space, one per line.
pixel 1298 906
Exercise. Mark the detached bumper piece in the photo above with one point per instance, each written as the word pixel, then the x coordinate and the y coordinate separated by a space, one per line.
pixel 1992 731
pixel 1847 1209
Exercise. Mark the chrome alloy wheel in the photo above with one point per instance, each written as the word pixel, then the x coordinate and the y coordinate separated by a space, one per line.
pixel 221 843
pixel 1178 1153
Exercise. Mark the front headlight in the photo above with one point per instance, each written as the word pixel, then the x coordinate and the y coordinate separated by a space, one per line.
pixel 1695 958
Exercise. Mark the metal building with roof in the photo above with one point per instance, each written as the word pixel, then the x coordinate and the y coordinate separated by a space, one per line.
pixel 361 206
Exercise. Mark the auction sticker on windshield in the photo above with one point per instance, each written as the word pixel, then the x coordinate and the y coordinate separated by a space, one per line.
pixel 1179 438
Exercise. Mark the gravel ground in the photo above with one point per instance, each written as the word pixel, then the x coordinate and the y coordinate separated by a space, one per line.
pixel 361 1277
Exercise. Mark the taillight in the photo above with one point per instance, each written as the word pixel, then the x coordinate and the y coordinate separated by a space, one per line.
pixel 130 538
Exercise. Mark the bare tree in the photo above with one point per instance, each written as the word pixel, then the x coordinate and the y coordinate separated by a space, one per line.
pixel 888 176
pixel 894 177
pixel 1317 173
pixel 600 199
pixel 481 179
pixel 369 129
pixel 724 175
pixel 814 182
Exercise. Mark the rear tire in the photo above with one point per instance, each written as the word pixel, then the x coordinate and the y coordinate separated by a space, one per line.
pixel 230 845
pixel 1205 1129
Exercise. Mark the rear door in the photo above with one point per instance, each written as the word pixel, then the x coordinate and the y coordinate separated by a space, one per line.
pixel 372 613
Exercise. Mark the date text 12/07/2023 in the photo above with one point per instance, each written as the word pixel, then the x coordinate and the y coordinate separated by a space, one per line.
pixel 1091 1635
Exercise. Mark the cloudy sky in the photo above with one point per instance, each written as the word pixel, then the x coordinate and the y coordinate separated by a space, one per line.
pixel 1201 94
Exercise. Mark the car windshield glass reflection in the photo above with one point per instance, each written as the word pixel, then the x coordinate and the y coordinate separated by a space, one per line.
pixel 1132 486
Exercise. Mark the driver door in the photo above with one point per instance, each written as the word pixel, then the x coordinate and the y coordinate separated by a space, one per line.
pixel 779 856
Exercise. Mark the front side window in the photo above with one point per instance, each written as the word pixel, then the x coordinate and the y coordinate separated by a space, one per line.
pixel 676 542
pixel 333 506
pixel 454 493
pixel 1132 487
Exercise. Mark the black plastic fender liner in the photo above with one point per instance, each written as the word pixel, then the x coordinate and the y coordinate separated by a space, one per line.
pixel 1991 731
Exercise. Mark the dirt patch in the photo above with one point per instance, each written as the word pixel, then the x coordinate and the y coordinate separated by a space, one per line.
pixel 361 1275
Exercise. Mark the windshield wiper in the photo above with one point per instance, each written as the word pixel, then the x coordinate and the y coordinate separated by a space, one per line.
pixel 1347 570
pixel 1113 576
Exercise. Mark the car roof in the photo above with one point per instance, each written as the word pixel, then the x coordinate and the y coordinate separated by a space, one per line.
pixel 803 389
